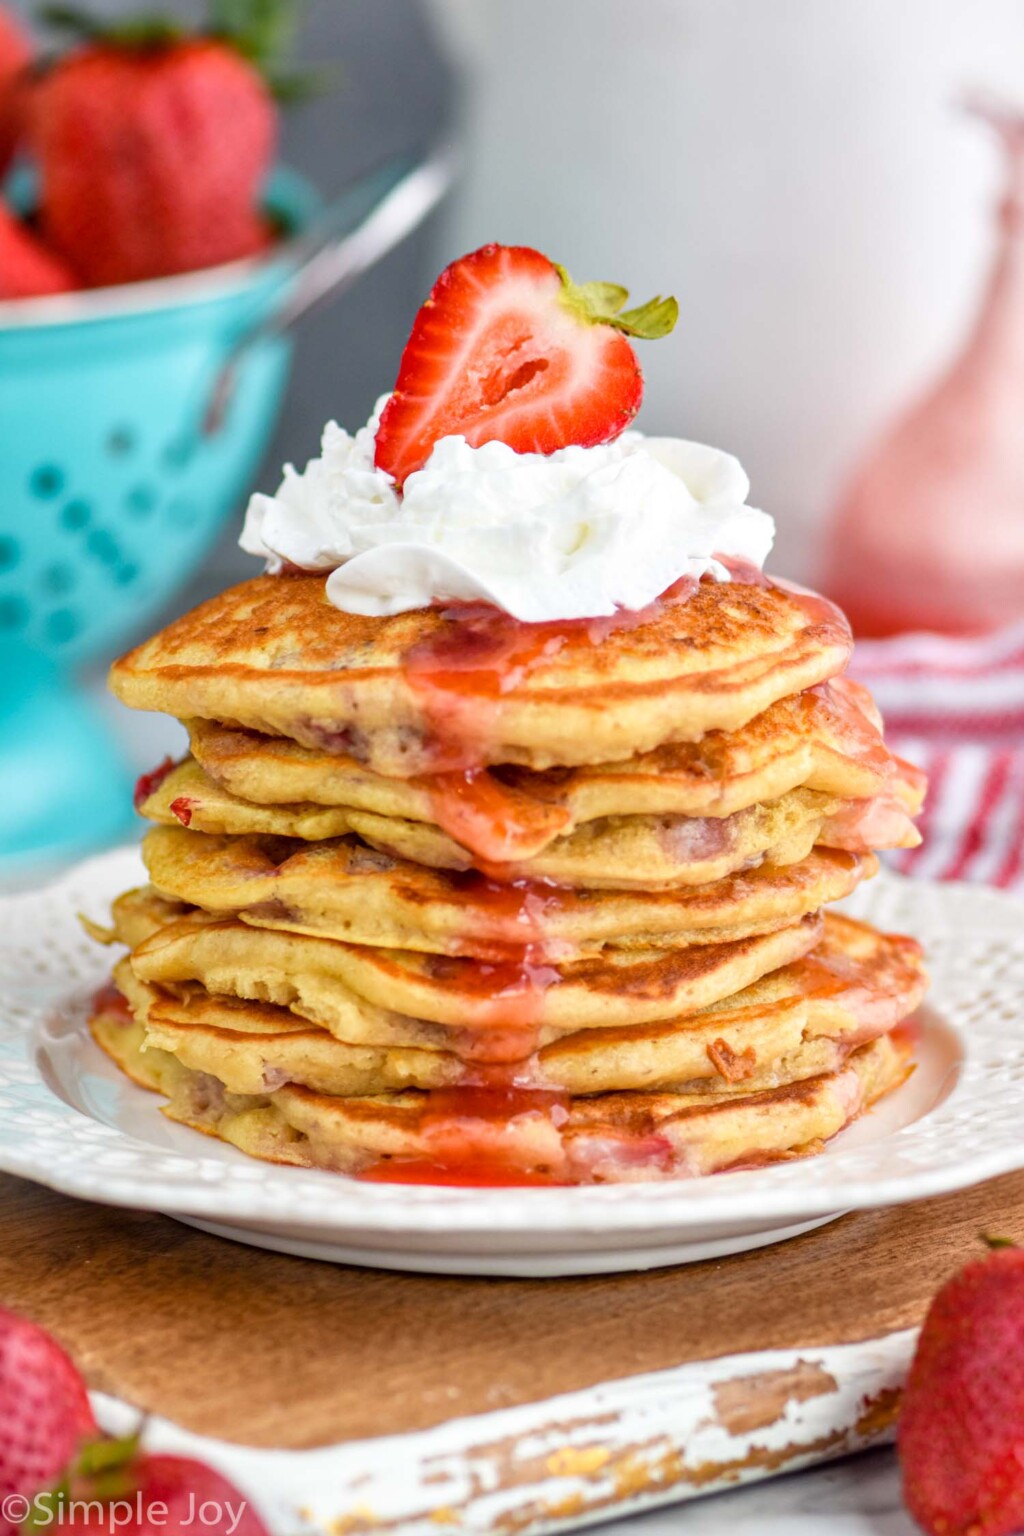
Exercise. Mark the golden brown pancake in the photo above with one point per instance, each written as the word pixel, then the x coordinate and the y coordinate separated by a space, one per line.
pixel 875 974
pixel 420 691
pixel 344 890
pixel 602 1138
pixel 644 853
pixel 650 853
pixel 618 987
pixel 826 739
pixel 803 1020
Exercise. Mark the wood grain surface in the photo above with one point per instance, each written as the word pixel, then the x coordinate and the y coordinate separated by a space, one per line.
pixel 267 1350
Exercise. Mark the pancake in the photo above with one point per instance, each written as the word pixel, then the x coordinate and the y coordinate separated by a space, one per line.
pixel 619 987
pixel 827 739
pixel 803 1020
pixel 661 852
pixel 426 691
pixel 343 890
pixel 603 1138
pixel 134 915
pixel 621 853
pixel 855 980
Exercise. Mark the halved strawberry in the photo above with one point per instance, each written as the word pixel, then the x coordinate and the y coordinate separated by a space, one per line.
pixel 507 348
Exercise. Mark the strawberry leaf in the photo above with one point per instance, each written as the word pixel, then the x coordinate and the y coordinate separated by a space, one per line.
pixel 98 1458
pixel 263 31
pixel 146 31
pixel 655 318
pixel 602 304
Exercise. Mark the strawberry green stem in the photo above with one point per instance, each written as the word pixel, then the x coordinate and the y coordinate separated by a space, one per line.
pixel 603 304
pixel 262 31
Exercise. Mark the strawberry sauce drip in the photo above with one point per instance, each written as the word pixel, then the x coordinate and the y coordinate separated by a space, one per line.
pixel 863 825
pixel 466 1126
pixel 460 676
pixel 111 1001
pixel 461 673
pixel 507 993
pixel 517 912
pixel 855 723
pixel 496 824
pixel 148 783
pixel 878 1004
pixel 908 1034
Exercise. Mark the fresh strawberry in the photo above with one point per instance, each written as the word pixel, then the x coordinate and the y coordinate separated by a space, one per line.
pixel 27 268
pixel 508 348
pixel 45 1417
pixel 153 147
pixel 184 1487
pixel 15 53
pixel 961 1431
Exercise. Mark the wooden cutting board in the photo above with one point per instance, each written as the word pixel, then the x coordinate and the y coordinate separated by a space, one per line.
pixel 263 1350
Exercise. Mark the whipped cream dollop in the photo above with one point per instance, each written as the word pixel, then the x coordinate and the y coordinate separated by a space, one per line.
pixel 574 534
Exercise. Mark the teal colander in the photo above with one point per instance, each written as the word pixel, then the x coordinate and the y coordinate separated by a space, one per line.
pixel 115 479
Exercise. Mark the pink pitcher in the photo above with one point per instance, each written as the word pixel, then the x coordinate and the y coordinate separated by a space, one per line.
pixel 930 533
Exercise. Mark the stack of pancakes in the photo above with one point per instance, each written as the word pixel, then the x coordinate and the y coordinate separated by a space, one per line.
pixel 445 896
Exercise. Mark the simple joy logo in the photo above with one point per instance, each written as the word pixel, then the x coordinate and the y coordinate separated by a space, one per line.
pixel 55 1509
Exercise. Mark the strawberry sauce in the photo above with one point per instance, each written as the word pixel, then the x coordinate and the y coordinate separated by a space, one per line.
pixel 148 783
pixel 515 914
pixel 460 676
pixel 863 825
pixel 461 673
pixel 110 1001
pixel 496 823
pixel 876 995
pixel 465 1127
pixel 479 1174
pixel 908 1034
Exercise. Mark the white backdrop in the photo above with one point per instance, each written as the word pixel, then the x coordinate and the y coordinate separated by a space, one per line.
pixel 794 170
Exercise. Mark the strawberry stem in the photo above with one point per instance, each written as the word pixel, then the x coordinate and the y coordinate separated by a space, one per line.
pixel 98 1458
pixel 149 31
pixel 603 304
pixel 262 31
pixel 995 1243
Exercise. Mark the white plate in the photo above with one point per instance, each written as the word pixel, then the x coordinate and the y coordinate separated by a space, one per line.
pixel 68 1118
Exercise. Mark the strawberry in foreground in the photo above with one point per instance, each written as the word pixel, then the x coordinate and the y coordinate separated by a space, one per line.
pixel 45 1416
pixel 154 143
pixel 961 1430
pixel 171 1490
pixel 15 54
pixel 27 269
pixel 51 1450
pixel 507 348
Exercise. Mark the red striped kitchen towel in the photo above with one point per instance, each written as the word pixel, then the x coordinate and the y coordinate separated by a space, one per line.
pixel 956 708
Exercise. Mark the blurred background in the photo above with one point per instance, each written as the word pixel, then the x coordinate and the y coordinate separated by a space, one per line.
pixel 800 173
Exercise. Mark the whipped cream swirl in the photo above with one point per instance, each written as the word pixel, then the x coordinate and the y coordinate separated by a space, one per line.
pixel 574 534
